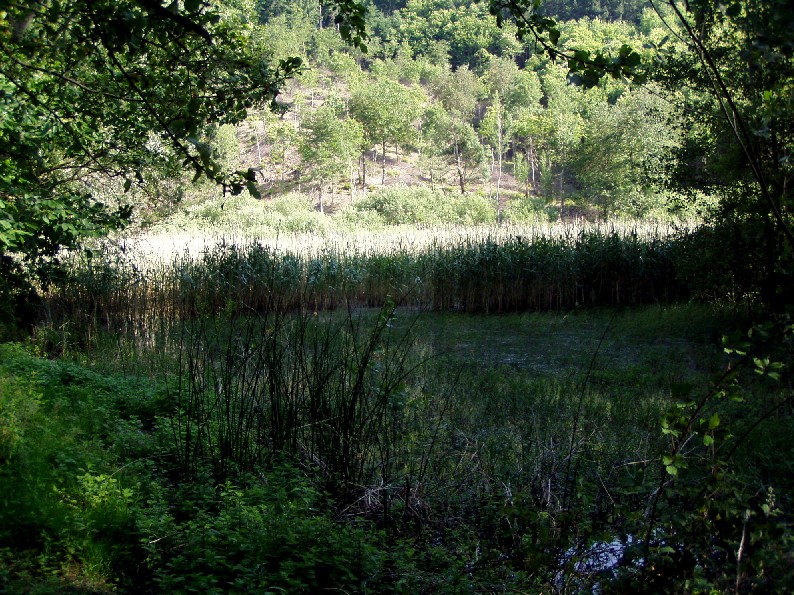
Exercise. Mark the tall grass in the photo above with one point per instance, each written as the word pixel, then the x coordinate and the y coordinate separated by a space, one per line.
pixel 318 389
pixel 493 270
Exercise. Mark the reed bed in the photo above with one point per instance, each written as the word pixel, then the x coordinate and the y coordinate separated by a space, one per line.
pixel 142 282
pixel 160 247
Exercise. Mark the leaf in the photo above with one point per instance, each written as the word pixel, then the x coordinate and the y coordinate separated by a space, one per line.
pixel 581 55
pixel 714 421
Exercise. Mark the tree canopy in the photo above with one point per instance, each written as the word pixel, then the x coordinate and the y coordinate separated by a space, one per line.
pixel 730 65
pixel 101 90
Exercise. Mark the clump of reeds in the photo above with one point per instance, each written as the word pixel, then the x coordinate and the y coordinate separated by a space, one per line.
pixel 480 270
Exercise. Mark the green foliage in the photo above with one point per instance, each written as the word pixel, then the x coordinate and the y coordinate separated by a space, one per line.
pixel 329 145
pixel 18 407
pixel 626 153
pixel 715 522
pixel 504 463
pixel 464 490
pixel 397 205
pixel 291 213
pixel 387 112
pixel 527 211
pixel 447 30
pixel 96 91
pixel 58 130
pixel 748 162
pixel 456 142
pixel 273 537
pixel 226 147
pixel 732 258
pixel 621 10
pixel 67 509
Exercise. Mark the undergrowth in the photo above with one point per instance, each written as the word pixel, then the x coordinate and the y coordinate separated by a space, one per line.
pixel 374 452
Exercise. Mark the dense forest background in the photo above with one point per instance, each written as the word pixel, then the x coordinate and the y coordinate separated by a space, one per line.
pixel 445 97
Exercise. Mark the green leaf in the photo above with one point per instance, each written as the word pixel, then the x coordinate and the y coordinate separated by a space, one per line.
pixel 714 421
pixel 581 55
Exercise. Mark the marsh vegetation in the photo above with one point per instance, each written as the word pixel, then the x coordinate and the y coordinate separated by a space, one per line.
pixel 396 297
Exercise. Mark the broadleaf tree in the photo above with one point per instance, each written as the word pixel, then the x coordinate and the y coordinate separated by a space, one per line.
pixel 85 84
pixel 387 111
pixel 495 129
pixel 329 146
pixel 736 60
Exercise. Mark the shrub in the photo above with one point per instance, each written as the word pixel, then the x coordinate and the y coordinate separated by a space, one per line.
pixel 292 213
pixel 528 211
pixel 399 205
pixel 354 219
pixel 268 538
pixel 19 405
pixel 68 507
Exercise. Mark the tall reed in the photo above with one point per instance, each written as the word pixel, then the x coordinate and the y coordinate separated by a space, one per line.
pixel 566 269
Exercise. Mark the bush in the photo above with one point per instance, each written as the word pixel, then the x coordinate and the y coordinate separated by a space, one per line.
pixel 354 219
pixel 68 508
pixel 528 211
pixel 261 539
pixel 399 205
pixel 19 405
pixel 734 259
pixel 291 213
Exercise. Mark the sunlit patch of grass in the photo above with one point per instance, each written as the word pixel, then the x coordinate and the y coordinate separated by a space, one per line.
pixel 160 244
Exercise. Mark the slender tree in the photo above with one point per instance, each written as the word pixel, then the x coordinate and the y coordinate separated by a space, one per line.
pixel 388 112
pixel 329 146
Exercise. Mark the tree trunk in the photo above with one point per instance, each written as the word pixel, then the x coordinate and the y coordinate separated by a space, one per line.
pixel 531 159
pixel 383 167
pixel 363 176
pixel 499 186
pixel 562 193
pixel 461 171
